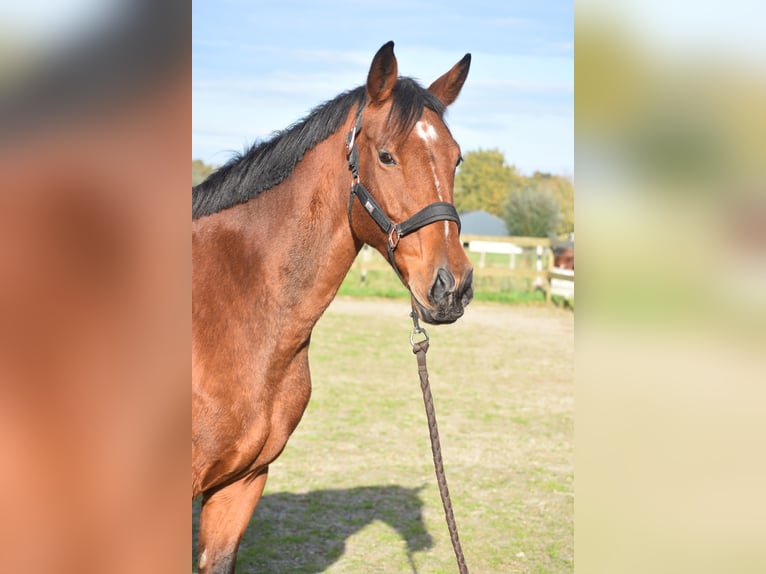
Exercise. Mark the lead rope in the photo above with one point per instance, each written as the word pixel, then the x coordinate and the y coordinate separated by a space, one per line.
pixel 420 348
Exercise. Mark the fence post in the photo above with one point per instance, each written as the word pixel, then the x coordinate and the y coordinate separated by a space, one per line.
pixel 542 280
pixel 548 285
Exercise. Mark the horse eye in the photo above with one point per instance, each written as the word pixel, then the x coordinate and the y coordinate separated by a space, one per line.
pixel 459 161
pixel 386 158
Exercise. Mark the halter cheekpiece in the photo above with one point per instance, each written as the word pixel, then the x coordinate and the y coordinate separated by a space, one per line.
pixel 437 211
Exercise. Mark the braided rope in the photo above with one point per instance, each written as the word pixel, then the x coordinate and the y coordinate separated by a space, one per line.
pixel 420 349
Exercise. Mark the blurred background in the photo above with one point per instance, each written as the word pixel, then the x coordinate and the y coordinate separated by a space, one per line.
pixel 94 285
pixel 671 214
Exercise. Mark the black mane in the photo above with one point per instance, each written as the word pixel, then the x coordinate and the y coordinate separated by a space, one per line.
pixel 269 163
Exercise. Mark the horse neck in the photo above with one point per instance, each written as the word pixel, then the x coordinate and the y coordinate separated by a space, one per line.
pixel 286 252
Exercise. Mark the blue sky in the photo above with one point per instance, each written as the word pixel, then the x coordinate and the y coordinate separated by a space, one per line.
pixel 260 65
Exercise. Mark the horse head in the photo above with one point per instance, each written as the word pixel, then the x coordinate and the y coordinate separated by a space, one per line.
pixel 404 158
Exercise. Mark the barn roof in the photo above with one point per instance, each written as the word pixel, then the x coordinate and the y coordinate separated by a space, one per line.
pixel 482 223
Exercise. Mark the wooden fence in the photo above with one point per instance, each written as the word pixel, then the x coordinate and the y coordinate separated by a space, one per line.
pixel 552 280
pixel 528 259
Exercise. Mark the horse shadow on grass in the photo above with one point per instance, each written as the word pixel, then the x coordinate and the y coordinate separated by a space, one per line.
pixel 307 533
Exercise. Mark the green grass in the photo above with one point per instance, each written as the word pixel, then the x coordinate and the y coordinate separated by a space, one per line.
pixel 354 490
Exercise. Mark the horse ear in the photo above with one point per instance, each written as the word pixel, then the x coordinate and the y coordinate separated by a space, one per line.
pixel 383 74
pixel 448 86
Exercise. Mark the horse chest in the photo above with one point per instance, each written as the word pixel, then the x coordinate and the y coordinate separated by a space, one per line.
pixel 255 417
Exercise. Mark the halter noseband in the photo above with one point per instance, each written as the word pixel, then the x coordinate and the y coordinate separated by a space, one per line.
pixel 437 211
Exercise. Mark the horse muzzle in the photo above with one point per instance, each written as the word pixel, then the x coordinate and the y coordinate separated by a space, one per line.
pixel 446 298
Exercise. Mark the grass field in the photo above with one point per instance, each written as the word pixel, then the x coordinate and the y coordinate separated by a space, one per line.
pixel 354 490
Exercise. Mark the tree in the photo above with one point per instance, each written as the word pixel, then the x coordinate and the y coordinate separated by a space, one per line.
pixel 532 211
pixel 484 181
pixel 563 190
pixel 200 170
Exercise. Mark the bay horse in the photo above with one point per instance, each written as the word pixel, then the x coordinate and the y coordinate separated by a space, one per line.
pixel 274 233
pixel 563 257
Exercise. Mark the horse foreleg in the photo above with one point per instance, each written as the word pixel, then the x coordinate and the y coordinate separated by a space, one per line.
pixel 224 517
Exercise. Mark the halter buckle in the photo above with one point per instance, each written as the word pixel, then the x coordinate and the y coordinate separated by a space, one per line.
pixel 393 237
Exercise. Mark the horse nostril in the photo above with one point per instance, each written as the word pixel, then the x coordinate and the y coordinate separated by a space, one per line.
pixel 442 286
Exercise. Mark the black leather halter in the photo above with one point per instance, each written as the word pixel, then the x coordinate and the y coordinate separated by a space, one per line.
pixel 438 211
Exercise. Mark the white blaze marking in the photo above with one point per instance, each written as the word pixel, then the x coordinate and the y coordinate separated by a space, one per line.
pixel 428 134
pixel 441 198
pixel 436 182
pixel 203 559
